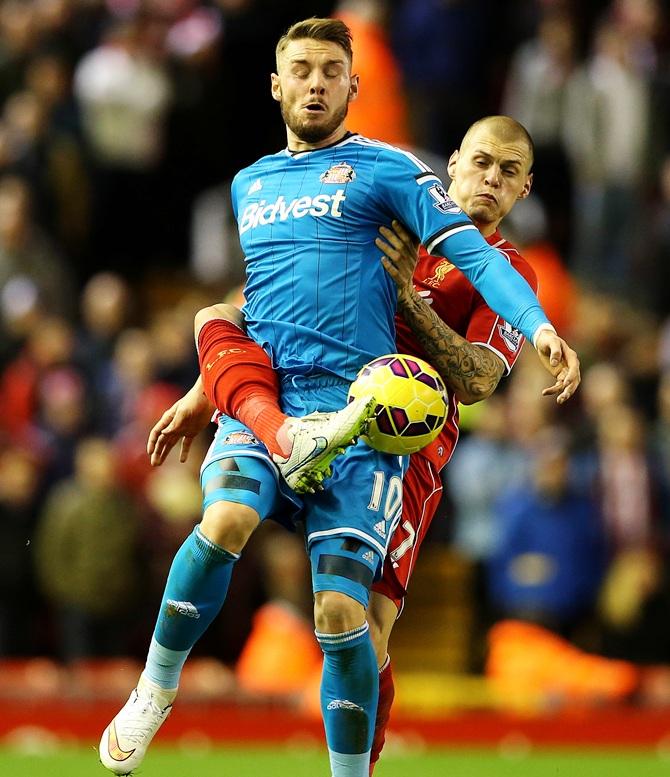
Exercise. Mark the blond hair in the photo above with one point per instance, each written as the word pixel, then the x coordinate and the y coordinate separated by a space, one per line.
pixel 330 30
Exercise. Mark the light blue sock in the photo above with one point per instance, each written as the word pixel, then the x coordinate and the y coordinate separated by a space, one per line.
pixel 349 693
pixel 195 591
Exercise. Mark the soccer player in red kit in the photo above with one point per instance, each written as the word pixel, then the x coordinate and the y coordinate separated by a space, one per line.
pixel 442 318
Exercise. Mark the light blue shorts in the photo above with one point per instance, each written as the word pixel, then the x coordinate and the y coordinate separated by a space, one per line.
pixel 238 468
pixel 348 525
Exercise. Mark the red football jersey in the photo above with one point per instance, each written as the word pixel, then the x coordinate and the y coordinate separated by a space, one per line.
pixel 461 306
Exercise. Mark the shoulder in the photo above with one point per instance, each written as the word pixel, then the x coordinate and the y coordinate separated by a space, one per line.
pixel 264 163
pixel 391 155
pixel 422 255
pixel 258 168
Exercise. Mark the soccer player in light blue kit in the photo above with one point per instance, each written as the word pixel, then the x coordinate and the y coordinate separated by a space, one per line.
pixel 321 305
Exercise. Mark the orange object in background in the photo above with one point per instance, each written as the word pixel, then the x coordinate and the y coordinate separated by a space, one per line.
pixel 380 110
pixel 525 658
pixel 557 291
pixel 281 654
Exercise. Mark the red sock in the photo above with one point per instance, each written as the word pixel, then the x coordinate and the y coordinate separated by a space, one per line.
pixel 386 694
pixel 238 378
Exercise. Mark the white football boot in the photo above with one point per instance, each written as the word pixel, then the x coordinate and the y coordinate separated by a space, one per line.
pixel 317 439
pixel 125 741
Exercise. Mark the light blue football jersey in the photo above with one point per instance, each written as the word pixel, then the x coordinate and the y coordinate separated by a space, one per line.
pixel 318 297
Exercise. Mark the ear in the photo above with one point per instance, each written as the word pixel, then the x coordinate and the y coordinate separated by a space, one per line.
pixel 275 87
pixel 526 187
pixel 353 88
pixel 451 164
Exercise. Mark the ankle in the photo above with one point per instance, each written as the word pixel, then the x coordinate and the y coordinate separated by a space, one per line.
pixel 284 441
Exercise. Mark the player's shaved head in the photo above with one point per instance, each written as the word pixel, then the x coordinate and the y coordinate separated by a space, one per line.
pixel 328 30
pixel 506 129
pixel 491 170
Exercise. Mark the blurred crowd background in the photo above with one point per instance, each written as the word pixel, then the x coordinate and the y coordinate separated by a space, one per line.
pixel 121 125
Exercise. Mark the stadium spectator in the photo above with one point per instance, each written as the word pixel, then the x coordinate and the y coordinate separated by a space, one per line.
pixel 132 369
pixel 124 92
pixel 549 558
pixel 607 141
pixel 62 420
pixel 86 556
pixel 48 346
pixel 20 482
pixel 381 110
pixel 27 253
pixel 536 93
pixel 627 486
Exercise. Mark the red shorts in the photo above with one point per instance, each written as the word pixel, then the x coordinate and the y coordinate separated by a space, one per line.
pixel 422 491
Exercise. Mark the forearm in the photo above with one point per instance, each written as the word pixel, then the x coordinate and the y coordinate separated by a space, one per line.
pixel 470 371
pixel 197 393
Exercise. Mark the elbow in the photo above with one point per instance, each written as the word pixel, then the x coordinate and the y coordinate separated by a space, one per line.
pixel 470 395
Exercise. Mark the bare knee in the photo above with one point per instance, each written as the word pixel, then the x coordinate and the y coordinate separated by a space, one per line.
pixel 335 612
pixel 229 525
pixel 220 310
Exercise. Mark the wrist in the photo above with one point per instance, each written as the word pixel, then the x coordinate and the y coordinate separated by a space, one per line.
pixel 542 328
pixel 406 295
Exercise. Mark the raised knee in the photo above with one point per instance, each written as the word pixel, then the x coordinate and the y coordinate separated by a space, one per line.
pixel 229 525
pixel 335 613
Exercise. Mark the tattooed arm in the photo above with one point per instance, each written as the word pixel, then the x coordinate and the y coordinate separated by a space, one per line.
pixel 469 370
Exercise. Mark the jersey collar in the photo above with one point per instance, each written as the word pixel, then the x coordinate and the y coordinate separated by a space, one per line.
pixel 496 239
pixel 323 148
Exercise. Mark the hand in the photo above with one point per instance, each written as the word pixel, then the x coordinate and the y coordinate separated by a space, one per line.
pixel 183 421
pixel 401 253
pixel 562 362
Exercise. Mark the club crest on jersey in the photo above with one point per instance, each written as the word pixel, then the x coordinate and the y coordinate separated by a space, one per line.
pixel 511 336
pixel 240 438
pixel 443 201
pixel 440 273
pixel 342 172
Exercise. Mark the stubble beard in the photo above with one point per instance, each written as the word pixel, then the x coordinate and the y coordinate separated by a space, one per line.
pixel 313 133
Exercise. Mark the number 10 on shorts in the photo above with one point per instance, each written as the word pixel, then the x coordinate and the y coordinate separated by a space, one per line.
pixel 391 496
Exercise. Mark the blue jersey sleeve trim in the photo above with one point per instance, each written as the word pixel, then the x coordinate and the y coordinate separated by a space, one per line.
pixel 445 232
pixel 421 178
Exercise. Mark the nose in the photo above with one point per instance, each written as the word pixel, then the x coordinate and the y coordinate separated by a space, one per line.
pixel 317 83
pixel 493 176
